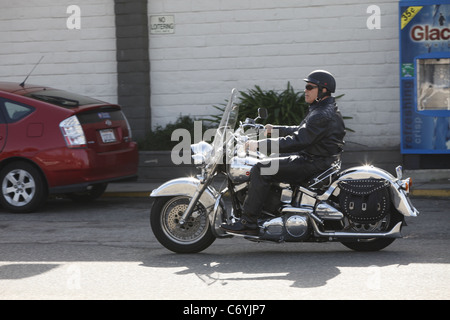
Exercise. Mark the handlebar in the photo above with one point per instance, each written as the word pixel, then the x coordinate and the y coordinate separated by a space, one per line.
pixel 254 125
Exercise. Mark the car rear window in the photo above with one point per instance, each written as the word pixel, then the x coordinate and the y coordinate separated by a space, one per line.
pixel 62 98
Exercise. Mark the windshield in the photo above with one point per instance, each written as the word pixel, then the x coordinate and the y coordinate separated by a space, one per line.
pixel 226 127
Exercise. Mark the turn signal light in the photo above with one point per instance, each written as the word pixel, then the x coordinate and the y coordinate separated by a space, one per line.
pixel 406 184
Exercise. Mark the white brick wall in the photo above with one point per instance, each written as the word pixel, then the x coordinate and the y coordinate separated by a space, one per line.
pixel 221 44
pixel 218 45
pixel 82 61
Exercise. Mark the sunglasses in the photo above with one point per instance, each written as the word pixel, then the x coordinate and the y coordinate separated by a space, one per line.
pixel 309 87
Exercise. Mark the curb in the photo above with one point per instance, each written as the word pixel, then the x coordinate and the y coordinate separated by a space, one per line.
pixel 139 194
pixel 436 193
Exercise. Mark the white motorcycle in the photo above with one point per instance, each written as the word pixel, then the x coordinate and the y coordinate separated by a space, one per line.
pixel 361 207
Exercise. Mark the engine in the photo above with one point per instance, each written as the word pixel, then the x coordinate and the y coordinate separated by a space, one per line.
pixel 290 227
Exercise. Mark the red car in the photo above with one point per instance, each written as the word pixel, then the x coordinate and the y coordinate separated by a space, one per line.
pixel 56 142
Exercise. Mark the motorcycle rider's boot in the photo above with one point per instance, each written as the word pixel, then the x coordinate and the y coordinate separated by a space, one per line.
pixel 243 226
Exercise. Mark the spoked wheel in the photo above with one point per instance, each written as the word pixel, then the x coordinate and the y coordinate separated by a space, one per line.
pixel 23 188
pixel 193 236
pixel 376 244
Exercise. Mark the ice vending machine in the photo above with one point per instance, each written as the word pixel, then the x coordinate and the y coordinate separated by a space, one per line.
pixel 425 83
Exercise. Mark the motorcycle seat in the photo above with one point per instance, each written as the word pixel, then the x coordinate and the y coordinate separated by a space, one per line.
pixel 323 179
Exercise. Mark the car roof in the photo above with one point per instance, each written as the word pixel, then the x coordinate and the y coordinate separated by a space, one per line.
pixel 14 87
pixel 28 89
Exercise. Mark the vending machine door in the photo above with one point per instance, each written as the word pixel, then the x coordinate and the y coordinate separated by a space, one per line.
pixel 425 80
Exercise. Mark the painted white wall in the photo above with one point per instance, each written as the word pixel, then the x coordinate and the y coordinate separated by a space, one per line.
pixel 80 60
pixel 218 45
pixel 221 44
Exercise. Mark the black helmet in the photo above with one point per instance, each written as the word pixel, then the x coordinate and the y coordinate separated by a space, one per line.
pixel 323 79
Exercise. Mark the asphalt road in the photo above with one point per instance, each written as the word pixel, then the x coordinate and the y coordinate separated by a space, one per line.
pixel 106 250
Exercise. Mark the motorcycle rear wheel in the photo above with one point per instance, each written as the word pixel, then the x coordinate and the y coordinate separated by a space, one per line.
pixel 367 245
pixel 193 236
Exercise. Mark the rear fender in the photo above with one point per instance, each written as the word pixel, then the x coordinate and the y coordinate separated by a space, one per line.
pixel 399 198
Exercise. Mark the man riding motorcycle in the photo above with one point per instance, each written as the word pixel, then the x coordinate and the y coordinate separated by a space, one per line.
pixel 305 150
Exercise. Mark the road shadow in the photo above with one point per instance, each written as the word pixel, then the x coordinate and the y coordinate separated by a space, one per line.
pixel 307 266
pixel 72 233
pixel 16 271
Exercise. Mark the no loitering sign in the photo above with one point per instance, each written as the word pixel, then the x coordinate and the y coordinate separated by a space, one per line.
pixel 162 24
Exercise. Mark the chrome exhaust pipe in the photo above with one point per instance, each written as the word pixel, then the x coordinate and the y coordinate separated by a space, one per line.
pixel 394 233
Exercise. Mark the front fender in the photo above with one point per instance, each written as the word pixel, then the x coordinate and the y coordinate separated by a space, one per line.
pixel 186 187
pixel 399 198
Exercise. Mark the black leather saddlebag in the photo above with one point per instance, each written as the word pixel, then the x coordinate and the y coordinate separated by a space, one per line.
pixel 364 200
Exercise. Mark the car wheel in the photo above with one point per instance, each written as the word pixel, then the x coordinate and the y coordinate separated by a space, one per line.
pixel 23 188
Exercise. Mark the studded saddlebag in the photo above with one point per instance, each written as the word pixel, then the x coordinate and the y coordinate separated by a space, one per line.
pixel 364 200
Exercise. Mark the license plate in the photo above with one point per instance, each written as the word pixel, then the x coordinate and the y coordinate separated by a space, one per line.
pixel 108 136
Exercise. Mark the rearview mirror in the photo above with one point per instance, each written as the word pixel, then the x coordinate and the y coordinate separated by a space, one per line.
pixel 262 113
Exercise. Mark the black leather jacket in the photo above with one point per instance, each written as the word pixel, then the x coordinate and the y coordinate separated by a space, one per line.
pixel 320 134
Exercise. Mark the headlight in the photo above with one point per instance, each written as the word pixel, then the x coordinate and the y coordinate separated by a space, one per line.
pixel 199 159
pixel 201 152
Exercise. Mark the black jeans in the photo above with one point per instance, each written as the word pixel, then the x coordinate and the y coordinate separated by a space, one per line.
pixel 292 169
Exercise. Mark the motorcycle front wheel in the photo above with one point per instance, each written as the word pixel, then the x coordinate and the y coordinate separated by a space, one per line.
pixel 193 236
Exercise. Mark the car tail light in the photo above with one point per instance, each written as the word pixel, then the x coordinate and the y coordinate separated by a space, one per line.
pixel 73 132
pixel 130 134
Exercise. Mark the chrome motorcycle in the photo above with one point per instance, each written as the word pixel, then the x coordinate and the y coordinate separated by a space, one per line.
pixel 361 207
